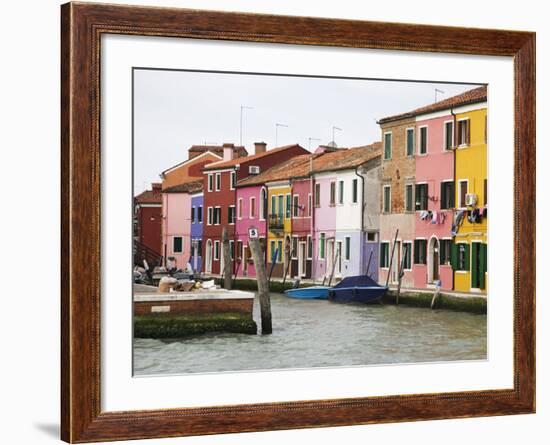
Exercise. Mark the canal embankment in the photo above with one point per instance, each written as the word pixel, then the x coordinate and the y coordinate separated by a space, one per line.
pixel 421 298
pixel 183 314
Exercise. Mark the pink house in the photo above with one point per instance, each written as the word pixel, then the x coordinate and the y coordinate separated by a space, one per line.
pixel 176 223
pixel 302 225
pixel 324 214
pixel 251 212
pixel 434 201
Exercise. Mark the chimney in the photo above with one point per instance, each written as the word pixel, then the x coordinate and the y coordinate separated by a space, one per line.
pixel 228 151
pixel 156 187
pixel 259 147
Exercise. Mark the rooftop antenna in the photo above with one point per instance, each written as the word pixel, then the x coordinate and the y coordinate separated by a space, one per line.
pixel 277 125
pixel 333 130
pixel 312 139
pixel 437 90
pixel 243 107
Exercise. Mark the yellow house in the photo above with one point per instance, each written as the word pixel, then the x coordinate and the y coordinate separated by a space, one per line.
pixel 469 253
pixel 279 226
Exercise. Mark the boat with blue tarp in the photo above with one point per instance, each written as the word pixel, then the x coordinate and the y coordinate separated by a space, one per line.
pixel 359 289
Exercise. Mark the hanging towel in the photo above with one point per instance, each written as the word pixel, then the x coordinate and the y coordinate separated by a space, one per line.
pixel 435 218
pixel 458 217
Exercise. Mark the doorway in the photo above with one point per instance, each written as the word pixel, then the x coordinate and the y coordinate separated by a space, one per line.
pixel 302 259
pixel 208 266
pixel 433 260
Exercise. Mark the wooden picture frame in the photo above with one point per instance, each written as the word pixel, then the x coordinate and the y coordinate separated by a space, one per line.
pixel 82 26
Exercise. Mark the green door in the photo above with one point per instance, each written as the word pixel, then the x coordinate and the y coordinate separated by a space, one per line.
pixel 475 265
pixel 482 264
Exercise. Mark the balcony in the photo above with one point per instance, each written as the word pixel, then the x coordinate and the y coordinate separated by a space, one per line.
pixel 276 223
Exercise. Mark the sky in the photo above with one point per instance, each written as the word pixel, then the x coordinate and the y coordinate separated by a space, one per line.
pixel 176 109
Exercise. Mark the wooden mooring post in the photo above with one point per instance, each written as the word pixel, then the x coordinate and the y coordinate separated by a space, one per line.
pixel 227 263
pixel 263 285
pixel 391 257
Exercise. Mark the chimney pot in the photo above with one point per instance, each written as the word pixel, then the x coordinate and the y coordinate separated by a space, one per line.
pixel 260 147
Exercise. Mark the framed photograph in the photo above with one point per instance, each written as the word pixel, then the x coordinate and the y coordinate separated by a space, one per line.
pixel 276 222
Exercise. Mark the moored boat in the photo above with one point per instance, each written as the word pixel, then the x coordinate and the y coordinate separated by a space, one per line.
pixel 309 293
pixel 360 289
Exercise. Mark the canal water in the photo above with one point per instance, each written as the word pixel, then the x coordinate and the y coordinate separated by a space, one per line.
pixel 317 333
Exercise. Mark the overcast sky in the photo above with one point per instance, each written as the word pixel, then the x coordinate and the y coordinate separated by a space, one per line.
pixel 177 109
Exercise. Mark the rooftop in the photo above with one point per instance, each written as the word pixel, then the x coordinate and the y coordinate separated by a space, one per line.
pixel 192 186
pixel 301 166
pixel 466 98
pixel 236 161
pixel 149 196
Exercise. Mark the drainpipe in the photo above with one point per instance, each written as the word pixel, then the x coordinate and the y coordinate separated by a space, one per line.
pixel 454 172
pixel 312 219
pixel 363 205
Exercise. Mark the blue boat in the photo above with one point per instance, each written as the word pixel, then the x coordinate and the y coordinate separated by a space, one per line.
pixel 359 289
pixel 309 293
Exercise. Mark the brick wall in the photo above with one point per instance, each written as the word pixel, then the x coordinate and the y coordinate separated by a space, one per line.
pixel 196 306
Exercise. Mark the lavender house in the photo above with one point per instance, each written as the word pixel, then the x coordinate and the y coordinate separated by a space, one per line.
pixel 197 217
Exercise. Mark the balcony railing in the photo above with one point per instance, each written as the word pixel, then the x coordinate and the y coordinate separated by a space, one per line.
pixel 276 223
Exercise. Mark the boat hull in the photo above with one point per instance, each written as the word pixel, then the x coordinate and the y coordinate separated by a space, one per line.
pixel 309 293
pixel 357 294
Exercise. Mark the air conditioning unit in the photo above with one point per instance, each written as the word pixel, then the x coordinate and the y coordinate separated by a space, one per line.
pixel 471 199
pixel 254 170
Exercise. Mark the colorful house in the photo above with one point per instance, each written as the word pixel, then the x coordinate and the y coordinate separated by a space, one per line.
pixel 220 200
pixel 197 221
pixel 397 207
pixel 434 171
pixel 176 228
pixel 470 254
pixel 148 224
pixel 343 181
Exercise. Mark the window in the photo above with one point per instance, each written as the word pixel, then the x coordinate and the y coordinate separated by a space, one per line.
pixel 387 145
pixel 347 249
pixel 309 204
pixel 232 249
pixel 280 207
pixel 294 252
pixel 485 191
pixel 410 141
pixel 387 199
pixel 288 205
pixel 217 215
pixel 199 214
pixel 280 248
pixel 199 247
pixel 272 250
pixel 309 247
pixel 322 246
pixel 231 215
pixel 263 204
pixel 317 195
pixel 340 192
pixel 216 250
pixel 177 244
pixel 447 199
pixel 239 249
pixel 384 254
pixel 273 205
pixel 371 236
pixel 420 251
pixel 449 143
pixel 463 132
pixel 409 198
pixel 210 181
pixel 332 193
pixel 218 181
pixel 295 206
pixel 421 197
pixel 445 251
pixel 423 149
pixel 240 208
pixel 463 191
pixel 233 180
pixel 407 255
pixel 252 207
pixel 210 218
pixel 462 257
pixel 193 215
pixel 354 191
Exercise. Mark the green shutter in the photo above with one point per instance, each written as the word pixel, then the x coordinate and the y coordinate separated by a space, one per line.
pixel 442 196
pixel 482 265
pixel 454 256
pixel 452 195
